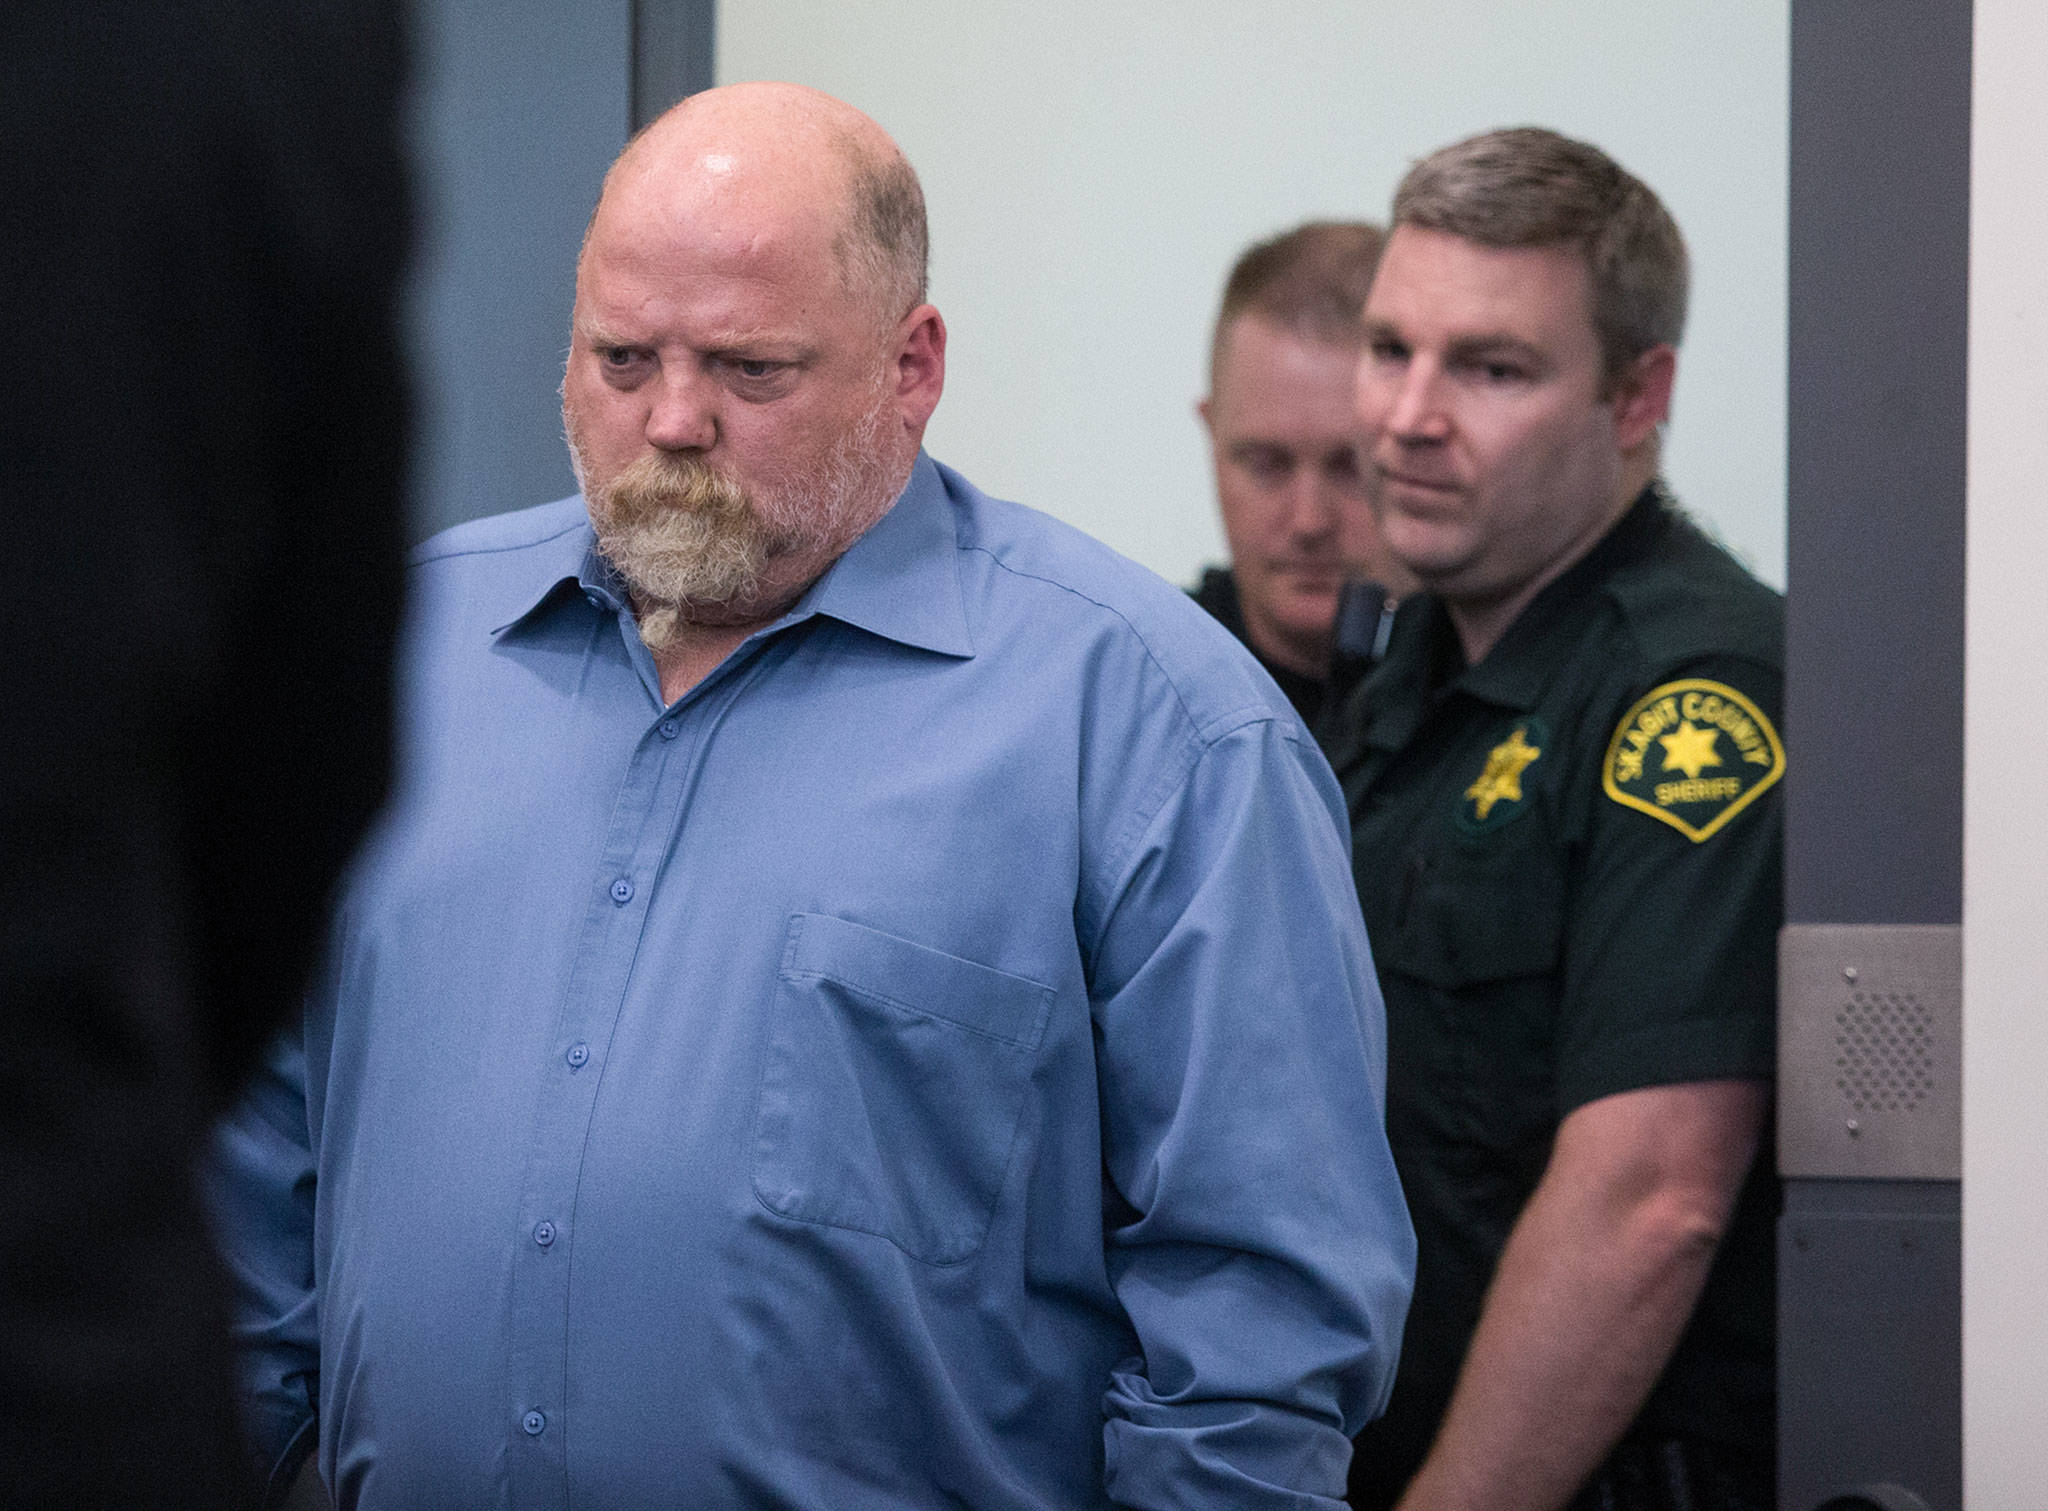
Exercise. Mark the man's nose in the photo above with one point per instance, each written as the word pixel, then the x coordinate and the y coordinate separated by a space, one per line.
pixel 1311 503
pixel 682 415
pixel 1416 414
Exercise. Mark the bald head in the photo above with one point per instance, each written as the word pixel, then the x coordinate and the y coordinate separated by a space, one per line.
pixel 788 162
pixel 751 367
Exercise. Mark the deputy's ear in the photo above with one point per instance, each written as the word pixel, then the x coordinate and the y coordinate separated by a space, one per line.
pixel 1642 395
pixel 1202 414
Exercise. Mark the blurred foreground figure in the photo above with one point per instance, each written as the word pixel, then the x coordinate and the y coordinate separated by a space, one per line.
pixel 1284 437
pixel 860 1001
pixel 1565 789
pixel 201 431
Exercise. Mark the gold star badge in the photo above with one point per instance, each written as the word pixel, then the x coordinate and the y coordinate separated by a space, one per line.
pixel 1689 749
pixel 1501 781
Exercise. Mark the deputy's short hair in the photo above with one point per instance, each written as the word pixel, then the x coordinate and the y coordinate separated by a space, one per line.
pixel 1310 281
pixel 1528 187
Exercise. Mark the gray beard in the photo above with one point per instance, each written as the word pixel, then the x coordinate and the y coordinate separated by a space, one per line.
pixel 684 538
pixel 695 546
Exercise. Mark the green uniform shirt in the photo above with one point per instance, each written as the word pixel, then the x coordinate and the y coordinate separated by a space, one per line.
pixel 1569 860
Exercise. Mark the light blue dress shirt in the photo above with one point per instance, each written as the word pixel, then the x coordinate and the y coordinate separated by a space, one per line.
pixel 935 1062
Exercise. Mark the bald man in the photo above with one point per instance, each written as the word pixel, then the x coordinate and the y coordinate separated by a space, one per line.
pixel 860 1002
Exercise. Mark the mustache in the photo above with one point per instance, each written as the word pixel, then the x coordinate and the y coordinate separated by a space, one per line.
pixel 660 484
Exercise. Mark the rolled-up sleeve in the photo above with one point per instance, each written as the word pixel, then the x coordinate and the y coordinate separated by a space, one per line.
pixel 260 1188
pixel 1262 1252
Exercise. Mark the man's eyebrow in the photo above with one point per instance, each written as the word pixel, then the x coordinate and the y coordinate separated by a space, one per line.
pixel 1493 344
pixel 726 342
pixel 1494 340
pixel 788 347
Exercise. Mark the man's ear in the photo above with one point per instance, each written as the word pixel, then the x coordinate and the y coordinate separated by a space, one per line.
pixel 920 366
pixel 1202 414
pixel 1641 396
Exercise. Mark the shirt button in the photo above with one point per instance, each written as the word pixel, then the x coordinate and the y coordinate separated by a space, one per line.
pixel 533 1424
pixel 622 891
pixel 578 1054
pixel 543 1233
pixel 669 729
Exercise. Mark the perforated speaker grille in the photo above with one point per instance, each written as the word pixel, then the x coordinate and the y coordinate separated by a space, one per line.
pixel 1883 1059
pixel 1870 1052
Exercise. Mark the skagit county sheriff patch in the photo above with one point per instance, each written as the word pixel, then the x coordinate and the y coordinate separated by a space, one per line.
pixel 1496 795
pixel 1694 754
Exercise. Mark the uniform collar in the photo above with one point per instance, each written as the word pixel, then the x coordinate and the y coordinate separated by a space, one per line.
pixel 1518 668
pixel 1424 656
pixel 1390 700
pixel 900 580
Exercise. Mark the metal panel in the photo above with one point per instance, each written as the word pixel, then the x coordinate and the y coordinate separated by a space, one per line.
pixel 674 53
pixel 1869 1302
pixel 1870 1052
pixel 1879 320
pixel 519 107
pixel 1869 1375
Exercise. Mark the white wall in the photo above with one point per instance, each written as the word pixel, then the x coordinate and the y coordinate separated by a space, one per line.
pixel 1093 168
pixel 2005 810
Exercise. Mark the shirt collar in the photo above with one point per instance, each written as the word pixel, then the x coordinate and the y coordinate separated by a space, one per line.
pixel 1517 669
pixel 1393 700
pixel 1390 700
pixel 562 568
pixel 901 580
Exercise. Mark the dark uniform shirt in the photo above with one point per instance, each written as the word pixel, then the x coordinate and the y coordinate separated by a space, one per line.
pixel 1569 861
pixel 1218 594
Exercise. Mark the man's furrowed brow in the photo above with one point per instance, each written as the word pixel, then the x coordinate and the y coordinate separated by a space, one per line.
pixel 597 334
pixel 755 338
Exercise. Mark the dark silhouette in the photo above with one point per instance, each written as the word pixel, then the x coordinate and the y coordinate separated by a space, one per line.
pixel 202 224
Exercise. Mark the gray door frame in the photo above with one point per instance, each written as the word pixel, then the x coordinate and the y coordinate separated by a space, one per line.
pixel 1870 1304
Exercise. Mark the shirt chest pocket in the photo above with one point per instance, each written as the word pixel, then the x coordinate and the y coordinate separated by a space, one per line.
pixel 894 1080
pixel 1468 918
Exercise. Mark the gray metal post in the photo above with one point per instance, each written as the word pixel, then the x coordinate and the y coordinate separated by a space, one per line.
pixel 674 53
pixel 1869 1135
pixel 519 107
